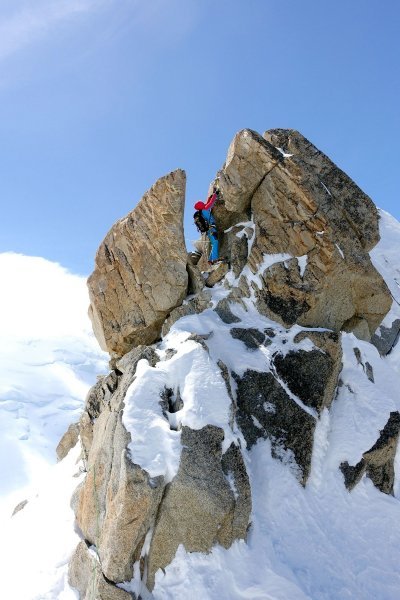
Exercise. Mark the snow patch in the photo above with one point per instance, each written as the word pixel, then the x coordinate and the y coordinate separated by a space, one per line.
pixel 325 188
pixel 302 260
pixel 340 251
pixel 285 154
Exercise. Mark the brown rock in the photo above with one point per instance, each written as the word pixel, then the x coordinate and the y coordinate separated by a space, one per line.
pixel 140 273
pixel 305 206
pixel 216 273
pixel 85 575
pixel 250 158
pixel 68 441
pixel 116 504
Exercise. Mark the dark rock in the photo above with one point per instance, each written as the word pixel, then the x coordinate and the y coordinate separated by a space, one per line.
pixel 225 374
pixel 307 374
pixel 385 338
pixel 100 394
pixel 352 475
pixel 224 312
pixel 317 378
pixel 170 352
pixel 380 458
pixel 357 354
pixel 369 372
pixel 19 507
pixel 169 402
pixel 251 337
pixel 378 461
pixel 196 281
pixel 199 339
pixel 235 471
pixel 264 410
pixel 269 332
pixel 289 309
pixel 367 367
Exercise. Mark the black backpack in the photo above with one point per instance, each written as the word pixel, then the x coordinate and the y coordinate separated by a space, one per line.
pixel 201 223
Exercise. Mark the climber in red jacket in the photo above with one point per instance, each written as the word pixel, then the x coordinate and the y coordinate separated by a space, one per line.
pixel 206 223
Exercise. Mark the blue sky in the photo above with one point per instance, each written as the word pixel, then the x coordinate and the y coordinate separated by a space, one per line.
pixel 99 98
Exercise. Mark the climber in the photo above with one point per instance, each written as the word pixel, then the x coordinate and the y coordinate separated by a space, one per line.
pixel 205 223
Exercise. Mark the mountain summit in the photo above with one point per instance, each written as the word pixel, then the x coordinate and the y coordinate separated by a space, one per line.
pixel 246 434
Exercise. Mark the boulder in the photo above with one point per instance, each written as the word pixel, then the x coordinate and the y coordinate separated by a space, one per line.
pixel 342 201
pixel 140 273
pixel 377 462
pixel 68 441
pixel 85 575
pixel 199 508
pixel 251 337
pixel 216 274
pixel 225 313
pixel 312 375
pixel 317 224
pixel 385 338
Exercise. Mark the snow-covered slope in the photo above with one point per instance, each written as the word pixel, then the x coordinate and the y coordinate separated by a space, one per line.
pixel 48 360
pixel 319 542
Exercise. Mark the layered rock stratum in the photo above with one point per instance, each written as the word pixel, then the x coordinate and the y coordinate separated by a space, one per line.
pixel 208 362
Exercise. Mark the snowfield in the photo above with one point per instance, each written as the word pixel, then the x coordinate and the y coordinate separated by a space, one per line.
pixel 317 543
pixel 48 360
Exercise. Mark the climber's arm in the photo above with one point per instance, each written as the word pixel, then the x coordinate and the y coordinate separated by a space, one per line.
pixel 211 201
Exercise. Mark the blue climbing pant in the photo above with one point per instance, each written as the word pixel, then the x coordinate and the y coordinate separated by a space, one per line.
pixel 212 236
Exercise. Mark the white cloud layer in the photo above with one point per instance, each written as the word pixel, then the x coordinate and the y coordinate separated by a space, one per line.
pixel 41 299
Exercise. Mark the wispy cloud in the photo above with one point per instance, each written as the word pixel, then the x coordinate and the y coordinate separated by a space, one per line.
pixel 27 24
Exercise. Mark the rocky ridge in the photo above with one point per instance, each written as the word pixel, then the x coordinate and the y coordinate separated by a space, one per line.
pixel 263 335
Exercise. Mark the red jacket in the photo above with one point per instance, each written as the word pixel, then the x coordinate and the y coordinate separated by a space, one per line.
pixel 210 201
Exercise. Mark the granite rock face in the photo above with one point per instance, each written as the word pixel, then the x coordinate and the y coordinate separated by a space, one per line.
pixel 199 508
pixel 117 502
pixel 118 505
pixel 265 410
pixel 140 273
pixel 85 576
pixel 303 207
pixel 296 232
